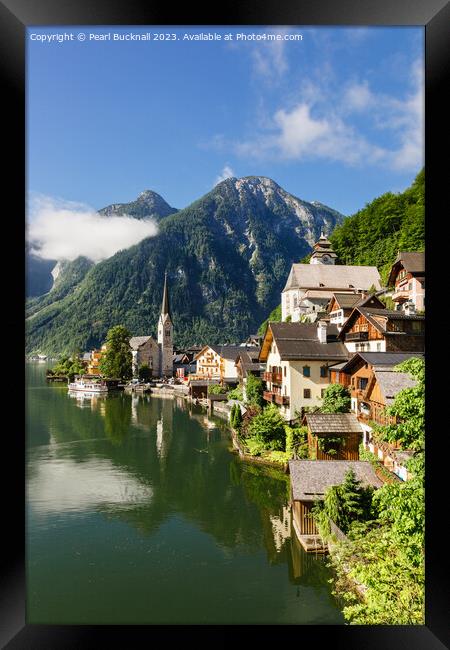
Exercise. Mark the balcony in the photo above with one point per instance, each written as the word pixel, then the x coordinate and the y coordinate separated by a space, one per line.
pixel 357 336
pixel 282 400
pixel 273 377
pixel 268 396
pixel 400 295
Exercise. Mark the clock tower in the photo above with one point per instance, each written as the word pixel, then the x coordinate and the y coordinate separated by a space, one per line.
pixel 323 252
pixel 165 336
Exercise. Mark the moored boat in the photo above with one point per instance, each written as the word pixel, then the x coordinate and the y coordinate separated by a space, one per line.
pixel 89 385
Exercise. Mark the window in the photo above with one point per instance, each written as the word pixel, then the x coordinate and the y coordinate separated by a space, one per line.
pixel 306 371
pixel 307 393
pixel 362 383
pixel 324 371
pixel 378 347
pixel 285 371
pixel 410 286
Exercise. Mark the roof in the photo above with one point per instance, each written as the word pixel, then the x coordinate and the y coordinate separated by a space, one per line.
pixel 413 262
pixel 316 294
pixel 373 314
pixel 311 478
pixel 333 423
pixel 231 352
pixel 392 382
pixel 300 341
pixel 381 359
pixel 331 276
pixel 346 300
pixel 137 341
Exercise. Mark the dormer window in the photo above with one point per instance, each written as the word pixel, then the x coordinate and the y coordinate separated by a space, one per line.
pixel 351 286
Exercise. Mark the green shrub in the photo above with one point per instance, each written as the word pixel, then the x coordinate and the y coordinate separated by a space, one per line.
pixel 236 393
pixel 268 428
pixel 215 389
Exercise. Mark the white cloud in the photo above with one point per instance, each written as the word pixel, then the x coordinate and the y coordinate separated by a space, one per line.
pixel 357 97
pixel 226 172
pixel 63 230
pixel 318 125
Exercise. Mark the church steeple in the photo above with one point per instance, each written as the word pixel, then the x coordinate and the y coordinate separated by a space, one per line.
pixel 165 308
pixel 165 335
pixel 323 252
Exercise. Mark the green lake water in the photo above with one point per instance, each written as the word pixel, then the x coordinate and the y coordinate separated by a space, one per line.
pixel 138 512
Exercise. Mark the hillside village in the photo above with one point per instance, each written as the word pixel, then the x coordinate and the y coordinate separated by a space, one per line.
pixel 314 393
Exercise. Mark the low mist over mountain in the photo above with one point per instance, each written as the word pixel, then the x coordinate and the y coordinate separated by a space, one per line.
pixel 227 256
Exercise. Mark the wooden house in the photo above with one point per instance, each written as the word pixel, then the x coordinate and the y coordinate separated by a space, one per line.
pixel 309 481
pixel 407 277
pixel 371 329
pixel 341 305
pixel 297 357
pixel 219 362
pixel 333 436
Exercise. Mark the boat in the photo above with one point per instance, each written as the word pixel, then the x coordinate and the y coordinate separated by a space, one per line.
pixel 88 386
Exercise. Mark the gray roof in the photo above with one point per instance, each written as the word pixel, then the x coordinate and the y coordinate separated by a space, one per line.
pixel 311 276
pixel 373 315
pixel 391 382
pixel 381 359
pixel 300 341
pixel 346 300
pixel 137 341
pixel 391 314
pixel 311 478
pixel 231 352
pixel 413 262
pixel 333 423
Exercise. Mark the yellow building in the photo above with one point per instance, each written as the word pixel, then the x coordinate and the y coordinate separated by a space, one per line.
pixel 93 365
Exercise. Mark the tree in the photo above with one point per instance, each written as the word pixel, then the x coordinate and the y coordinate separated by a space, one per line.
pixel 116 360
pixel 336 399
pixel 254 390
pixel 268 428
pixel 69 367
pixel 145 373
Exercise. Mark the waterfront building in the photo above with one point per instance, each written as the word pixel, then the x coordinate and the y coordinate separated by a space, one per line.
pixel 219 362
pixel 297 357
pixel 309 481
pixel 333 436
pixel 145 351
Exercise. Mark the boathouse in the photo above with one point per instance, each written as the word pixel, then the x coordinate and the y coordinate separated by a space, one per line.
pixel 309 481
pixel 333 436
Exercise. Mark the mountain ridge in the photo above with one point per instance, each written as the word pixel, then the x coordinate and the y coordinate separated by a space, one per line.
pixel 227 255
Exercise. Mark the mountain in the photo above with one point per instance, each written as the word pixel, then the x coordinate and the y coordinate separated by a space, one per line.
pixel 227 256
pixel 373 236
pixel 148 205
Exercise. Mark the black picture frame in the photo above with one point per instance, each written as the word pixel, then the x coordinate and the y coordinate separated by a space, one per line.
pixel 15 16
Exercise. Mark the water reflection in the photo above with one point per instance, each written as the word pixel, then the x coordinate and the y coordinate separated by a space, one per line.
pixel 156 477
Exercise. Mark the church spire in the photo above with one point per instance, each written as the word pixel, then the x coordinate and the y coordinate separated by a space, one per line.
pixel 165 309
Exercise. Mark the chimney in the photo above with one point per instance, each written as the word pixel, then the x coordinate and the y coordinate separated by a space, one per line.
pixel 322 331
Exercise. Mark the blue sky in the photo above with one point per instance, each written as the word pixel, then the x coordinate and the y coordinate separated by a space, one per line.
pixel 336 117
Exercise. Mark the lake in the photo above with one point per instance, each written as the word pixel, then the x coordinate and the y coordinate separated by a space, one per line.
pixel 139 512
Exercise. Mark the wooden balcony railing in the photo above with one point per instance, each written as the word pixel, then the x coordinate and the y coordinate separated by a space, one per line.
pixel 357 336
pixel 273 377
pixel 268 396
pixel 283 400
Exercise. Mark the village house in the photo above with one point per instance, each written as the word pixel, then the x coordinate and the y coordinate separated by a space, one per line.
pixel 373 384
pixel 184 363
pixel 371 329
pixel 309 287
pixel 247 363
pixel 309 481
pixel 297 357
pixel 407 277
pixel 219 362
pixel 93 366
pixel 341 305
pixel 333 436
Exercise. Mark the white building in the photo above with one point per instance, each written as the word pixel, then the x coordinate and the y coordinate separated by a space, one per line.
pixel 309 287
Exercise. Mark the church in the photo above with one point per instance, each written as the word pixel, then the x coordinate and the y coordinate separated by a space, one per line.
pixel 158 355
pixel 309 287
